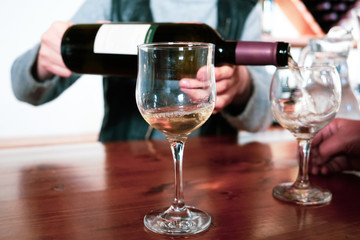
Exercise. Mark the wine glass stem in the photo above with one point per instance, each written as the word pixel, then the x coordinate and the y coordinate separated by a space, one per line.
pixel 177 148
pixel 302 180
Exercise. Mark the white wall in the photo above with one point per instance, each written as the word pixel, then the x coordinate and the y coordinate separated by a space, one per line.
pixel 78 110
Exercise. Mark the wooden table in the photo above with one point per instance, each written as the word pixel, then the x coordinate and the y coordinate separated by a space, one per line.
pixel 102 191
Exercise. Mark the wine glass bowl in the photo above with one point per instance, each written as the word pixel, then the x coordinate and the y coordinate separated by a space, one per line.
pixel 304 100
pixel 175 94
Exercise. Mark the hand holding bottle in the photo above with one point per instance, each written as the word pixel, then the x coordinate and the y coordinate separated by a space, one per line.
pixel 336 147
pixel 49 60
pixel 233 86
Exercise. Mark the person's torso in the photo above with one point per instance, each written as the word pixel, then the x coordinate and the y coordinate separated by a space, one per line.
pixel 122 120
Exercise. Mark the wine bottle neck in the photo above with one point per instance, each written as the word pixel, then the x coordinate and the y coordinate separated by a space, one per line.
pixel 261 53
pixel 225 52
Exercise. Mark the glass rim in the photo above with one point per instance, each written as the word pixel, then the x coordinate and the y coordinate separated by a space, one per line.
pixel 333 67
pixel 176 45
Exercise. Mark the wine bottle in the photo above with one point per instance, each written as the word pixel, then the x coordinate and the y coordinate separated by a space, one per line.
pixel 111 48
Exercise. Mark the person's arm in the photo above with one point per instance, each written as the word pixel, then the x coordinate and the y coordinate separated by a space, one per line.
pixel 29 89
pixel 251 111
pixel 39 75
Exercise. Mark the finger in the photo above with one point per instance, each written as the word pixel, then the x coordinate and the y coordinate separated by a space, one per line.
pixel 318 160
pixel 192 83
pixel 328 141
pixel 319 137
pixel 315 157
pixel 315 170
pixel 331 146
pixel 324 170
pixel 50 57
pixel 103 21
pixel 336 164
pixel 53 63
pixel 196 95
pixel 222 101
pixel 203 74
pixel 224 72
pixel 52 37
pixel 314 152
pixel 325 133
pixel 223 86
pixel 60 71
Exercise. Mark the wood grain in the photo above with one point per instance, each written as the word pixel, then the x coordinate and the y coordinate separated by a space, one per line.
pixel 102 191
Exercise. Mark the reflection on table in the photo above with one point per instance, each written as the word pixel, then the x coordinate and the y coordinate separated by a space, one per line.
pixel 102 191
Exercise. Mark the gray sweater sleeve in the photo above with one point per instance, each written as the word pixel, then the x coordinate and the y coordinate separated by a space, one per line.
pixel 25 87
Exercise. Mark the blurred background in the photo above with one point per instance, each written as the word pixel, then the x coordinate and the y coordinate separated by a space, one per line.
pixel 76 115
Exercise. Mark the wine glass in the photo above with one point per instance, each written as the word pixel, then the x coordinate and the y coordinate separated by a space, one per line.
pixel 304 100
pixel 175 93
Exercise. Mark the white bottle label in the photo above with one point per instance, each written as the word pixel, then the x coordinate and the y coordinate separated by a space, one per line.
pixel 120 38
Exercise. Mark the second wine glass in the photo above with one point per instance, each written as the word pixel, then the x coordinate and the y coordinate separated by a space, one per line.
pixel 175 93
pixel 304 100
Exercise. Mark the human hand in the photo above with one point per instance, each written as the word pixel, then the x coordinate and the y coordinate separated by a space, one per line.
pixel 336 147
pixel 197 89
pixel 49 61
pixel 233 86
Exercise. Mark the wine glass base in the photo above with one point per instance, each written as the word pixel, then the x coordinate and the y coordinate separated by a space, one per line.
pixel 168 221
pixel 309 196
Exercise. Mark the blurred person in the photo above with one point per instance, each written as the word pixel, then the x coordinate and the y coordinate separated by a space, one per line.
pixel 336 148
pixel 39 75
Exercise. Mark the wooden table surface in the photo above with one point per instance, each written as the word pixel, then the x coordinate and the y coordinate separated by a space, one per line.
pixel 102 191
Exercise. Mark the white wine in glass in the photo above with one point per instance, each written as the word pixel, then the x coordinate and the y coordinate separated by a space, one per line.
pixel 304 100
pixel 175 93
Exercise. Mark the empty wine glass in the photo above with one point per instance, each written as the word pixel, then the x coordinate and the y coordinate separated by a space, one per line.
pixel 304 100
pixel 175 93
